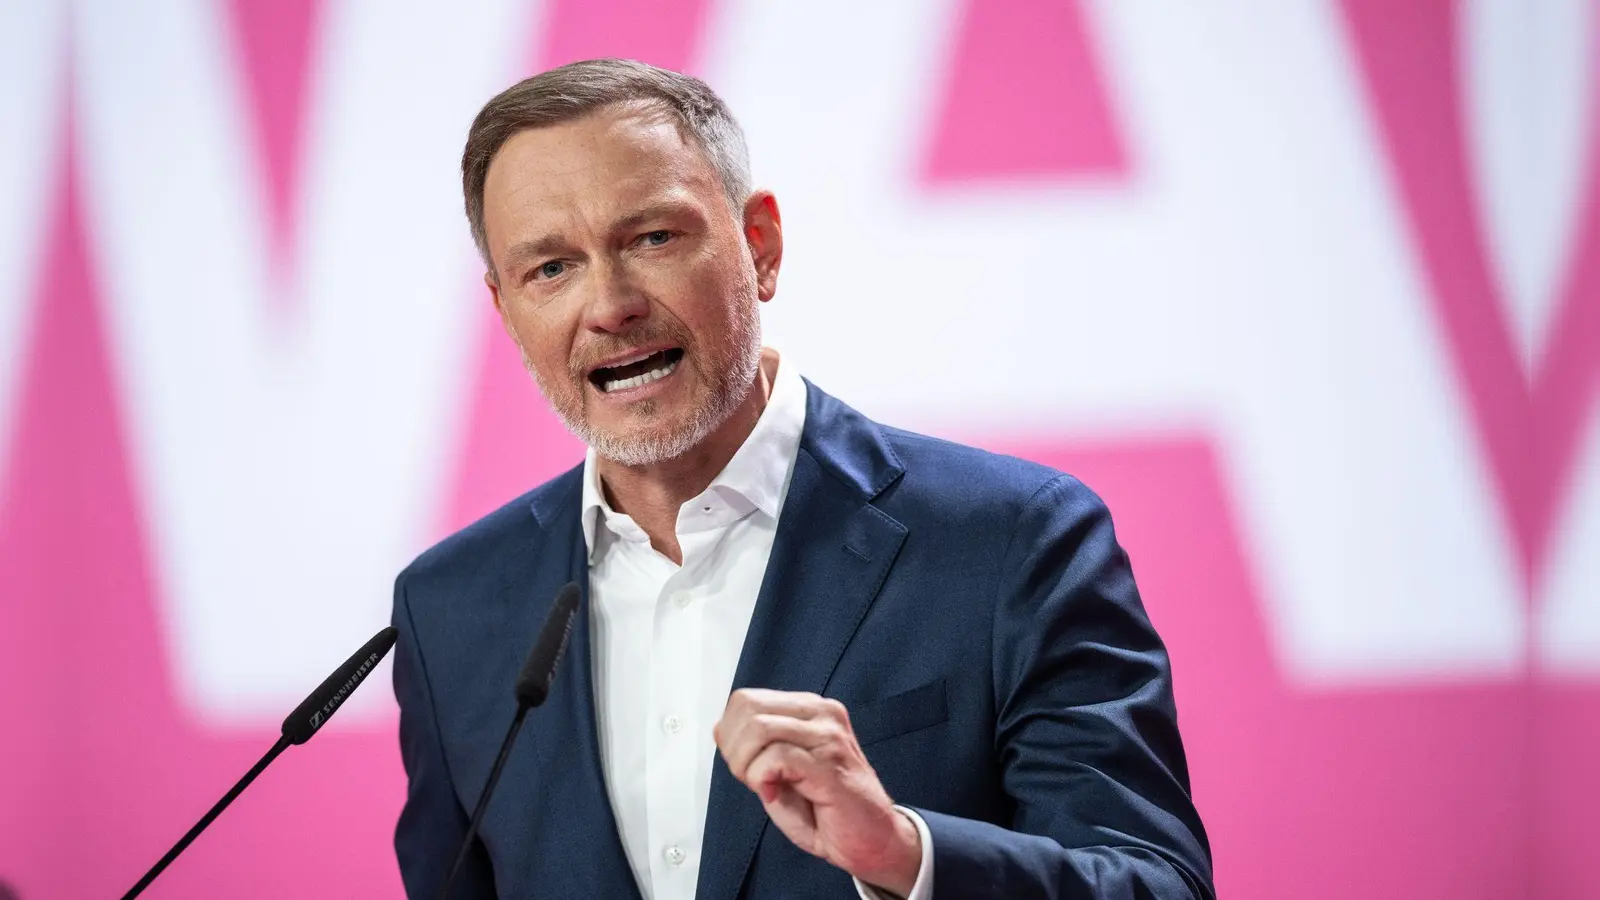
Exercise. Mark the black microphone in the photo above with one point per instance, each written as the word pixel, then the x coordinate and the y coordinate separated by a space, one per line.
pixel 309 716
pixel 533 687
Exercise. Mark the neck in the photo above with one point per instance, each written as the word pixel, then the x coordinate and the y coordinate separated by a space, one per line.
pixel 652 494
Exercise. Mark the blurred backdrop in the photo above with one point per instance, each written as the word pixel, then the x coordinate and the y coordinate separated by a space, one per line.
pixel 1309 291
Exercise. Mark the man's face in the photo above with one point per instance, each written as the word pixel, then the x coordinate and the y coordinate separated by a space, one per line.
pixel 627 281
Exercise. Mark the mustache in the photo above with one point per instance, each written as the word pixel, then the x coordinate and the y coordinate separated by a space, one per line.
pixel 612 346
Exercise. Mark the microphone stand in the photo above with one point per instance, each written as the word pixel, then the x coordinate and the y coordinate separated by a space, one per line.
pixel 307 718
pixel 533 687
pixel 238 788
pixel 483 799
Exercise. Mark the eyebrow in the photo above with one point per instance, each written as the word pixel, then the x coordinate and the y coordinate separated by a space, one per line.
pixel 555 245
pixel 549 245
pixel 661 210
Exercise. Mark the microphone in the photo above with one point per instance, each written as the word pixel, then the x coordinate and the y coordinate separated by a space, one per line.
pixel 533 688
pixel 306 719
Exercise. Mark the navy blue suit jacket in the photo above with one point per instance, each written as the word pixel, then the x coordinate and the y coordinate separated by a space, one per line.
pixel 973 612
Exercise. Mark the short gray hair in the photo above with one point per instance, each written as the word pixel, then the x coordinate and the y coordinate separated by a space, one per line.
pixel 577 89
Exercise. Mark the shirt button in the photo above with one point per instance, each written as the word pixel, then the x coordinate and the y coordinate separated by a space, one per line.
pixel 681 599
pixel 672 724
pixel 675 855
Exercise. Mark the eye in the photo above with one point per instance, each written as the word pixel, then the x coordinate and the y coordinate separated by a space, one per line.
pixel 656 238
pixel 551 269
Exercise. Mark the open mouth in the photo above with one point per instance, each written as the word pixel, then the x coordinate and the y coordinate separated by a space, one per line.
pixel 640 372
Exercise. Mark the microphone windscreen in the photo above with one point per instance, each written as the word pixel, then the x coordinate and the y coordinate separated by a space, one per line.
pixel 533 686
pixel 315 711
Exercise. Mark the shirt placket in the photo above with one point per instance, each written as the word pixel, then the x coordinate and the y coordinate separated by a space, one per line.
pixel 671 730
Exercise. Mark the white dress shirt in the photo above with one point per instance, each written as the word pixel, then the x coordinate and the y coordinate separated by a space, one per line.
pixel 667 639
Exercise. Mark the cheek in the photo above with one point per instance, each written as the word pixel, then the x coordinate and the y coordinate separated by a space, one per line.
pixel 702 296
pixel 545 343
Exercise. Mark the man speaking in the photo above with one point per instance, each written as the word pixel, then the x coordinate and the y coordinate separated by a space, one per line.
pixel 817 656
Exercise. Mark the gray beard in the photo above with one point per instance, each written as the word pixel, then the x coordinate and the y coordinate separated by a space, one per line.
pixel 730 391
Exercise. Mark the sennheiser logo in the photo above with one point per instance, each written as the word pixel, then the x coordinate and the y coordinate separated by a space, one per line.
pixel 321 715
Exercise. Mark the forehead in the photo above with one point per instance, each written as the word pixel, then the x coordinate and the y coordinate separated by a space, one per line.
pixel 602 164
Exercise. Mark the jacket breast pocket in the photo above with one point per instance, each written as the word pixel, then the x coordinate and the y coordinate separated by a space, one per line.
pixel 902 713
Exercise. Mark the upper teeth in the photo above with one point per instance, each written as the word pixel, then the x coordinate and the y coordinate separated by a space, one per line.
pixel 619 384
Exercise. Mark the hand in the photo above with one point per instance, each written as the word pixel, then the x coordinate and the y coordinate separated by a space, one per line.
pixel 800 755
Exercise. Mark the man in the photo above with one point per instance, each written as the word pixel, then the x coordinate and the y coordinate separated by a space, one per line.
pixel 817 656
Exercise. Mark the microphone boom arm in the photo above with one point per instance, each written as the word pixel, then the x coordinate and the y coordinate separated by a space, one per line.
pixel 238 788
pixel 483 800
pixel 304 722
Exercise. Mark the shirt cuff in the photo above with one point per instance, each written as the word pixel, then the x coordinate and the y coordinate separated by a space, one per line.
pixel 923 888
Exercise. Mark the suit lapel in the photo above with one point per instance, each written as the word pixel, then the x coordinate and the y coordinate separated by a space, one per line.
pixel 830 556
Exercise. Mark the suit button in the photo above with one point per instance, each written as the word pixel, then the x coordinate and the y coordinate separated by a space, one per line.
pixel 675 855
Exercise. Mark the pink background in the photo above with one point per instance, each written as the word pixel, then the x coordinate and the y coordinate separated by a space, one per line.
pixel 1331 758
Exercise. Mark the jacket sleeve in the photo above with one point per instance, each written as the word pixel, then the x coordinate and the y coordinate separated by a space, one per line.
pixel 1086 729
pixel 432 821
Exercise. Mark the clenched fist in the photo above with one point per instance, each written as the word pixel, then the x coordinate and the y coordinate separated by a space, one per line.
pixel 800 755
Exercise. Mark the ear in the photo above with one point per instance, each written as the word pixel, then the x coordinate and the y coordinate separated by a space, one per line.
pixel 763 232
pixel 493 284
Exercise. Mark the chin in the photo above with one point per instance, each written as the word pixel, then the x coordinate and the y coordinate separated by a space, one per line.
pixel 657 429
pixel 644 450
pixel 644 445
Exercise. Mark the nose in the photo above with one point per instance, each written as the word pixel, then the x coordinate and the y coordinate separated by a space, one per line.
pixel 617 303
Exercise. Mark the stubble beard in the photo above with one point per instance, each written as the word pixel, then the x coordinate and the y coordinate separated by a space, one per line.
pixel 732 383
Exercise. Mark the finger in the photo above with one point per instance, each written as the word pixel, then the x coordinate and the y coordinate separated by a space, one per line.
pixel 776 767
pixel 795 816
pixel 747 702
pixel 741 745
